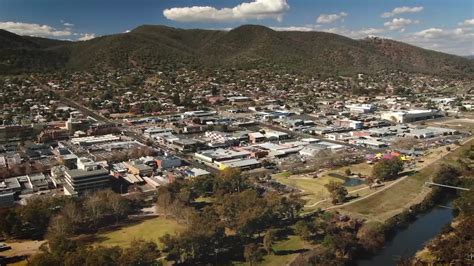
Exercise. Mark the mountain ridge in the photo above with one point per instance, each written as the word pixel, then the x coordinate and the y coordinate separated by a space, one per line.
pixel 247 46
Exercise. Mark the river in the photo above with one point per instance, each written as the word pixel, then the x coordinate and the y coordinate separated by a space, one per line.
pixel 411 239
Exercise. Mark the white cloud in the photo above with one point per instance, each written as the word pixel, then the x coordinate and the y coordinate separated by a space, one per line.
pixel 355 34
pixel 467 23
pixel 431 33
pixel 257 9
pixel 297 28
pixel 33 29
pixel 399 23
pixel 402 10
pixel 46 31
pixel 330 18
pixel 86 36
pixel 455 41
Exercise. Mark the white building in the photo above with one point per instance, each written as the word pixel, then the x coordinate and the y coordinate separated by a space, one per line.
pixel 360 108
pixel 403 116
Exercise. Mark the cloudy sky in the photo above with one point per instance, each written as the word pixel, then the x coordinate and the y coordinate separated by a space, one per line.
pixel 443 25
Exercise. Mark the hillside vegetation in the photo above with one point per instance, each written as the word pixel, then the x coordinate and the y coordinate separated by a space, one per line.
pixel 248 46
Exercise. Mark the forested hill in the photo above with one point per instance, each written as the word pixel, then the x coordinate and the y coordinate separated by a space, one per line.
pixel 248 46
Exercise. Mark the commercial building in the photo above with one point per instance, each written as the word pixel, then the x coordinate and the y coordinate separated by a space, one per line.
pixel 138 168
pixel 349 124
pixel 360 108
pixel 79 181
pixel 87 141
pixel 256 137
pixel 88 177
pixel 195 172
pixel 38 182
pixel 167 162
pixel 242 164
pixel 403 116
pixel 218 155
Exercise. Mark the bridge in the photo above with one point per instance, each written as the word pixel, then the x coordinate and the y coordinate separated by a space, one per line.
pixel 446 186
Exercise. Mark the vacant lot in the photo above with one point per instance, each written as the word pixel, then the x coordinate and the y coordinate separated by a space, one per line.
pixel 151 229
pixel 410 191
pixel 461 124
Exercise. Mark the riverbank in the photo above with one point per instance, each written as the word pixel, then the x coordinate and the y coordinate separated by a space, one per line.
pixel 409 191
pixel 409 231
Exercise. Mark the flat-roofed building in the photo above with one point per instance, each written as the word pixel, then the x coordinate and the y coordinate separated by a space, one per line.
pixel 91 140
pixel 167 162
pixel 360 108
pixel 218 155
pixel 242 164
pixel 276 135
pixel 79 181
pixel 403 116
pixel 38 182
pixel 10 185
pixel 256 137
pixel 138 168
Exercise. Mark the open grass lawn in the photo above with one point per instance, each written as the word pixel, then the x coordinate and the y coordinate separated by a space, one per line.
pixel 151 229
pixel 410 191
pixel 285 251
pixel 313 188
pixel 364 169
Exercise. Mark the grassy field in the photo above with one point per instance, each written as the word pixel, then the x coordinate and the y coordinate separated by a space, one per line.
pixel 363 169
pixel 313 188
pixel 151 229
pixel 285 251
pixel 410 191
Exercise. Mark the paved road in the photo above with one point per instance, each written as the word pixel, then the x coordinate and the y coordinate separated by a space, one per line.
pixel 185 157
pixel 86 110
pixel 128 132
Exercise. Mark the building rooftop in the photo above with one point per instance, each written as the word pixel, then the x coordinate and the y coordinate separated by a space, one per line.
pixel 78 173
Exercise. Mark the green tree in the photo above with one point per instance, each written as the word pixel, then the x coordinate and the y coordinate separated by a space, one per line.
pixel 338 192
pixel 304 229
pixel 387 169
pixel 231 180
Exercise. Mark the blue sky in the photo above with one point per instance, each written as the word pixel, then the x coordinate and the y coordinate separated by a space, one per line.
pixel 444 25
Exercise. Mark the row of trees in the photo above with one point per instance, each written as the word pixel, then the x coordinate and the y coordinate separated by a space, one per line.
pixel 61 214
pixel 63 251
pixel 337 239
pixel 231 226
